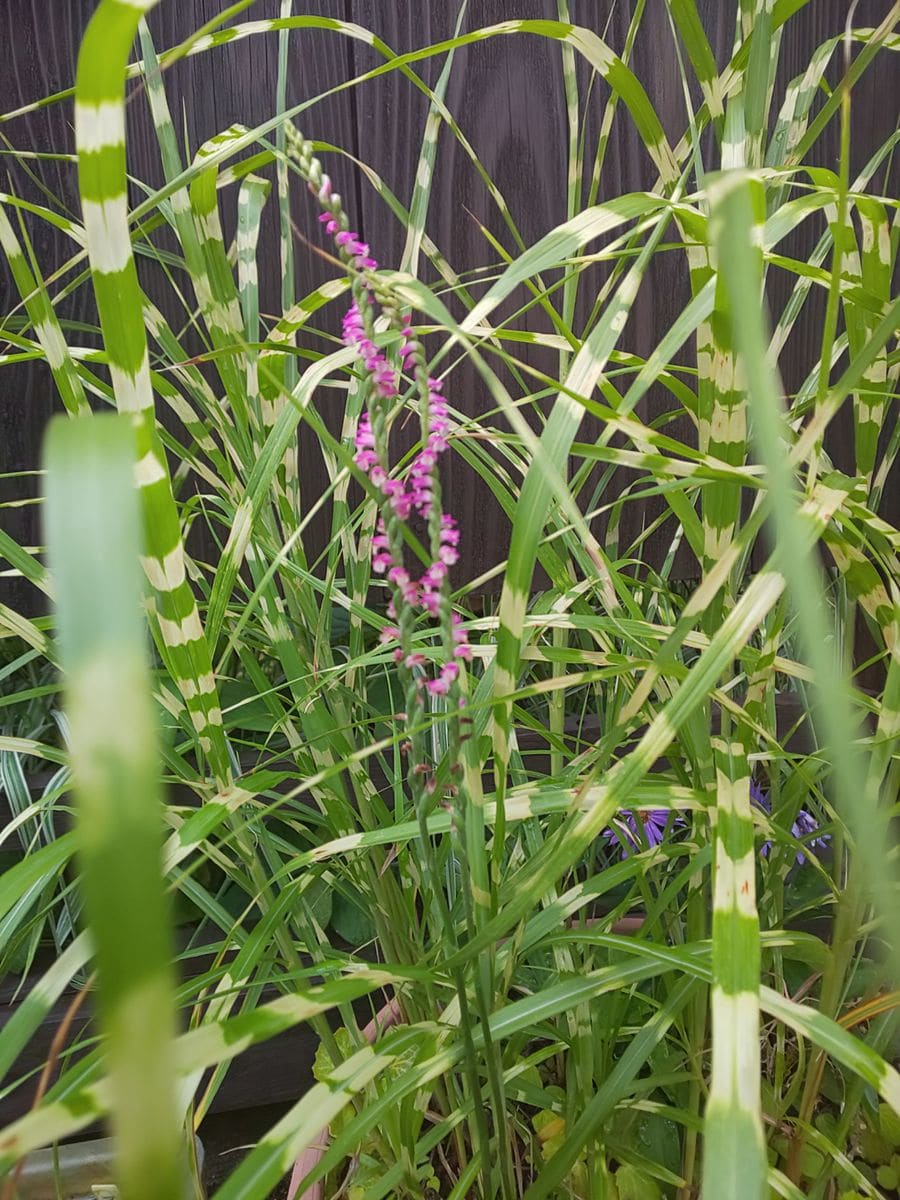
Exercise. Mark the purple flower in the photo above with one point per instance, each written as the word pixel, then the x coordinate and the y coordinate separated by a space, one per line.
pixel 802 829
pixel 627 828
pixel 758 796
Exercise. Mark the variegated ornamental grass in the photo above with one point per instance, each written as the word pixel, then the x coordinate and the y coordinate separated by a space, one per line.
pixel 362 779
pixel 93 523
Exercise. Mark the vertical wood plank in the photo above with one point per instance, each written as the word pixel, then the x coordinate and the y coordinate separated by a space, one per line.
pixel 39 58
pixel 507 95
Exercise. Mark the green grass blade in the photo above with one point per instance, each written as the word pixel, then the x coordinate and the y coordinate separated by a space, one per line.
pixel 86 1101
pixel 734 1161
pixel 93 538
pixel 251 200
pixel 30 1012
pixel 100 135
pixel 418 208
pixel 46 324
pixel 793 556
pixel 696 43
pixel 286 229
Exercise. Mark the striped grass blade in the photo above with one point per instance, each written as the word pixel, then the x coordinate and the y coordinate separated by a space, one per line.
pixel 94 540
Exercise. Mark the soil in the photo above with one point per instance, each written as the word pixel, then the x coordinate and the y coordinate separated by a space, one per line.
pixel 228 1137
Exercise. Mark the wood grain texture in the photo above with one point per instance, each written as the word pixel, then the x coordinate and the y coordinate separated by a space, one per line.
pixel 507 95
pixel 43 62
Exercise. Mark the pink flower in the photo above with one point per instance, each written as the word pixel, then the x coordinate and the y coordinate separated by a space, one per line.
pixel 449 530
pixel 350 242
pixel 461 647
pixel 408 345
pixel 365 438
pixel 352 329
pixel 407 587
pixel 434 575
pixel 441 685
pixel 402 503
pixel 431 602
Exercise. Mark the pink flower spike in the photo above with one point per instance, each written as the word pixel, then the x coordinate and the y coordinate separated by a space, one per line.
pixel 439 686
pixel 388 634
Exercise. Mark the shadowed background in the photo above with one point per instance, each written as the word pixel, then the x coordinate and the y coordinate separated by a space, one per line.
pixel 507 96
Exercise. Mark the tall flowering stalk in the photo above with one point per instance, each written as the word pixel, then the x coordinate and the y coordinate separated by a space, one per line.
pixel 418 596
pixel 418 491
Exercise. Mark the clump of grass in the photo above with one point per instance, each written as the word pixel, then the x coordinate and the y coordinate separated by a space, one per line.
pixel 593 977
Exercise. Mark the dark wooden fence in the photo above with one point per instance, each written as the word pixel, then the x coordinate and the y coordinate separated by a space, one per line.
pixel 507 94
